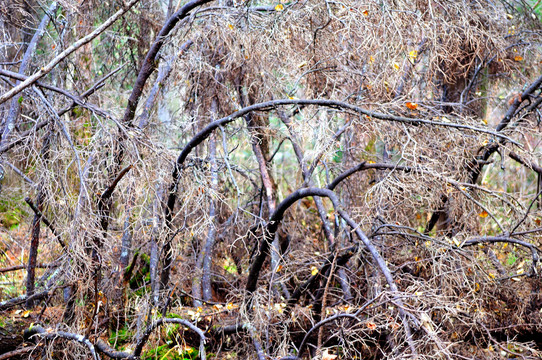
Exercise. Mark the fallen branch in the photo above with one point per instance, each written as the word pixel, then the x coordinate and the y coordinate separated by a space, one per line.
pixel 17 353
pixel 21 267
pixel 40 331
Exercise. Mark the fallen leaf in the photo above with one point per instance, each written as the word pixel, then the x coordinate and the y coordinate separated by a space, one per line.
pixel 483 214
pixel 518 58
pixel 371 325
pixel 411 105
pixel 279 7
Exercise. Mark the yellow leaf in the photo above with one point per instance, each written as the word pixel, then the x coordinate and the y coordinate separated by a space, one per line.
pixel 229 306
pixel 26 313
pixel 518 58
pixel 521 271
pixel 365 13
pixel 483 214
pixel 504 245
pixel 396 66
pixel 476 287
pixel 279 7
pixel 279 268
pixel 371 59
pixel 230 26
pixel 412 56
pixel 411 105
pixel 371 325
pixel 314 270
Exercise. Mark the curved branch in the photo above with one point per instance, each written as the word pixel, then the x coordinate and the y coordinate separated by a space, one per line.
pixel 272 227
pixel 269 105
pixel 149 63
pixel 39 330
pixel 104 348
pixel 496 239
pixel 335 317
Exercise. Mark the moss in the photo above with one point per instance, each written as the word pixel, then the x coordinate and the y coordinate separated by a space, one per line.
pixel 120 337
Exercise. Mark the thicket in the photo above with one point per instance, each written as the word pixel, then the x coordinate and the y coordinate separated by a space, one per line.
pixel 271 180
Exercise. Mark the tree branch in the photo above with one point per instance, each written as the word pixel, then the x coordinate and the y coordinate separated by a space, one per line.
pixel 84 40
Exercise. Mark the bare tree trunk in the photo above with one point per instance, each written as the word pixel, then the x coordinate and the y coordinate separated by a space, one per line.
pixel 201 282
pixel 211 234
pixel 35 240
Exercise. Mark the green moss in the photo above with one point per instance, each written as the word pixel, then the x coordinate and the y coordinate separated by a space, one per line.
pixel 120 337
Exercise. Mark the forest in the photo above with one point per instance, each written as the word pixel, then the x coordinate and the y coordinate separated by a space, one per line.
pixel 270 180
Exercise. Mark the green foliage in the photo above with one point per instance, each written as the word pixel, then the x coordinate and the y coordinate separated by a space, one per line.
pixel 512 258
pixel 120 337
pixel 338 156
pixel 12 212
pixel 165 351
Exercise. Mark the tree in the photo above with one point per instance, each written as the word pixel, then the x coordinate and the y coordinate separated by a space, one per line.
pixel 281 180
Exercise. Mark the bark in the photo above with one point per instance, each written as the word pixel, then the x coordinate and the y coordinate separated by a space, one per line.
pixel 211 234
pixel 35 239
